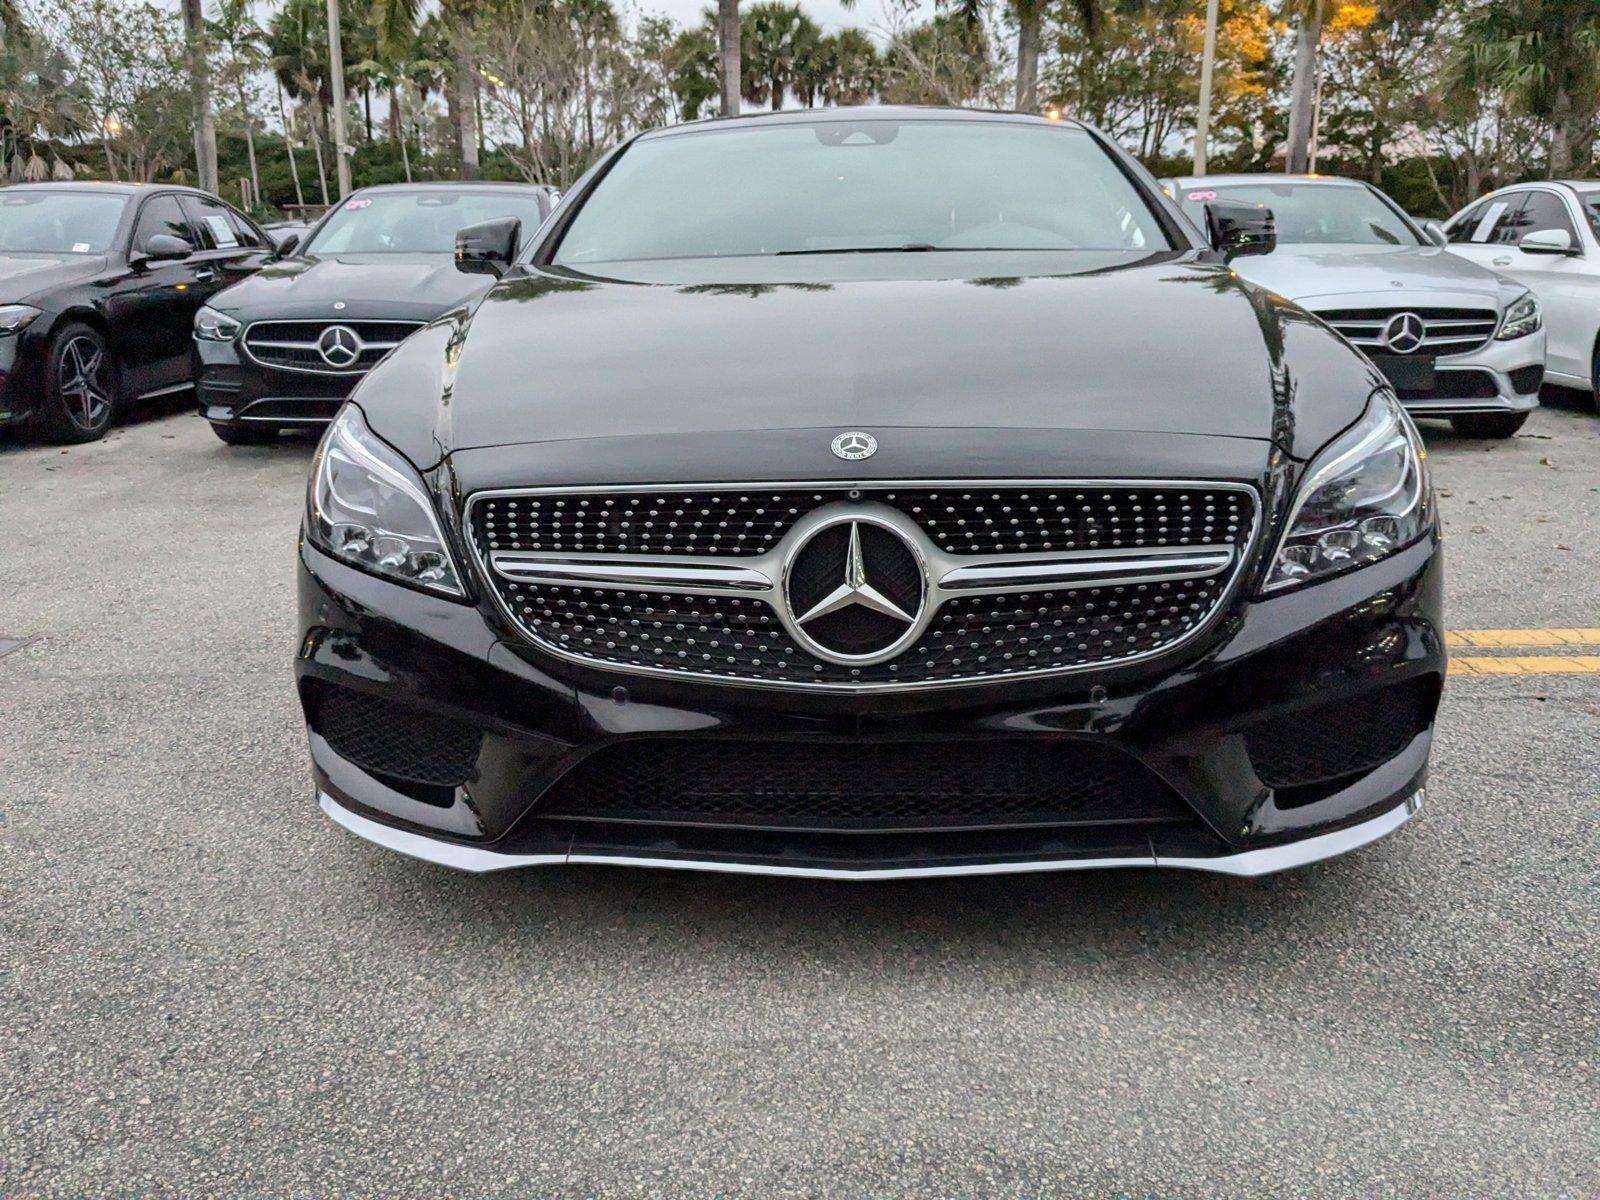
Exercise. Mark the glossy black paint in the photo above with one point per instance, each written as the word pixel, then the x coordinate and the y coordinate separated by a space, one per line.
pixel 303 286
pixel 1157 366
pixel 143 307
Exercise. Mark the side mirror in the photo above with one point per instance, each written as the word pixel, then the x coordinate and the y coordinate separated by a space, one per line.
pixel 1547 241
pixel 166 247
pixel 1237 229
pixel 1434 232
pixel 286 245
pixel 488 249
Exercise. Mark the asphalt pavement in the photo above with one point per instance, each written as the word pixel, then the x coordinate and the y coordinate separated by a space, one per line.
pixel 207 989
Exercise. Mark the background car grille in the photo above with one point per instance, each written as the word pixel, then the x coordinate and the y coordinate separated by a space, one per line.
pixel 969 638
pixel 1445 330
pixel 863 786
pixel 292 345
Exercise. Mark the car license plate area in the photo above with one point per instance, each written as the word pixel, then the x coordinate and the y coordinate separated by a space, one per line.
pixel 1406 373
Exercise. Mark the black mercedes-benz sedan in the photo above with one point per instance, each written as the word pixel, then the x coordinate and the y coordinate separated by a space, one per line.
pixel 99 284
pixel 872 493
pixel 284 349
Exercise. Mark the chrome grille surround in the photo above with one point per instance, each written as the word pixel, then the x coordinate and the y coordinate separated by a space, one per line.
pixel 1446 331
pixel 288 345
pixel 1107 575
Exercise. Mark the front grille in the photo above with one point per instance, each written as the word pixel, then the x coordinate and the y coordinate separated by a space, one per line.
pixel 863 786
pixel 292 345
pixel 397 741
pixel 1446 330
pixel 1343 739
pixel 968 638
pixel 1455 385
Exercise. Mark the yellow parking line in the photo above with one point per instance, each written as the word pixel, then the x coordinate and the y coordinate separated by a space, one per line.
pixel 1530 664
pixel 1502 639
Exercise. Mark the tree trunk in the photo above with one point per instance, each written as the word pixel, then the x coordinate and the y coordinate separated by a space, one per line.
pixel 205 123
pixel 1028 21
pixel 729 46
pixel 288 144
pixel 1303 97
pixel 395 125
pixel 1560 135
pixel 466 109
pixel 250 146
pixel 322 170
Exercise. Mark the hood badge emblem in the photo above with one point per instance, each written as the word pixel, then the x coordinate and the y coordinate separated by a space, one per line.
pixel 1404 333
pixel 855 445
pixel 338 306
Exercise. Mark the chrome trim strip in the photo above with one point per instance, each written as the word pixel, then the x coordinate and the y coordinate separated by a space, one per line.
pixel 1246 863
pixel 1088 568
pixel 698 576
pixel 939 564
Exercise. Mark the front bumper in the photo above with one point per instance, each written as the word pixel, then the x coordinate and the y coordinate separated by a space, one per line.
pixel 1188 721
pixel 232 389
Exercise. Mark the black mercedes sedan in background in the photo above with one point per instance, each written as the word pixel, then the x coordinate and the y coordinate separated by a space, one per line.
pixel 99 285
pixel 842 493
pixel 285 349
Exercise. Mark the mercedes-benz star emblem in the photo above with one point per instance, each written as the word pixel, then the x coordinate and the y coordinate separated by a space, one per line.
pixel 855 590
pixel 339 346
pixel 1403 333
pixel 855 445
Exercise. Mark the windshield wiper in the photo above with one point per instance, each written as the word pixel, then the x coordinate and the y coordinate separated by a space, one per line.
pixel 909 247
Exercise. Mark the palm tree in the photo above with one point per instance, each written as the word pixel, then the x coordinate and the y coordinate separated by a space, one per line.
pixel 851 66
pixel 1303 88
pixel 236 31
pixel 730 52
pixel 1029 16
pixel 778 41
pixel 205 123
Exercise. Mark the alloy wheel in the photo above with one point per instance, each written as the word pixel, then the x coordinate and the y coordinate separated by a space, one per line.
pixel 84 382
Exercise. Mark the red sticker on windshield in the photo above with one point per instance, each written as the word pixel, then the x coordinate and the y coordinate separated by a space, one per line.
pixel 1202 195
pixel 357 203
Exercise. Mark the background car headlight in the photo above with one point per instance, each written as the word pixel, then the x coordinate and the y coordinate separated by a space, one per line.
pixel 213 326
pixel 366 506
pixel 14 318
pixel 1365 496
pixel 1522 318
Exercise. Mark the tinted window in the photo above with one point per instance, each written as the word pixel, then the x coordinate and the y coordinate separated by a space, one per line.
pixel 59 222
pixel 160 214
pixel 1460 229
pixel 1545 210
pixel 1492 222
pixel 1312 213
pixel 833 186
pixel 220 227
pixel 1589 202
pixel 420 222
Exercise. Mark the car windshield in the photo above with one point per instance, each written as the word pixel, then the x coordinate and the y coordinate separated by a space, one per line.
pixel 59 222
pixel 1312 213
pixel 856 187
pixel 420 222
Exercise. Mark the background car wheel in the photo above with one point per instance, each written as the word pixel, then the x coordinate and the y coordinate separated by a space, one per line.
pixel 1488 425
pixel 80 386
pixel 246 435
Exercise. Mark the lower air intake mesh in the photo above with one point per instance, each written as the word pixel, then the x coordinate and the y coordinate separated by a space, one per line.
pixel 1348 737
pixel 396 740
pixel 862 786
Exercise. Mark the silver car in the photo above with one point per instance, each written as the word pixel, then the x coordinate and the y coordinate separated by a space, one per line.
pixel 1455 339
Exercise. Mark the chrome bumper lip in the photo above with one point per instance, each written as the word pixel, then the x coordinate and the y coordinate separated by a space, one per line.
pixel 1246 863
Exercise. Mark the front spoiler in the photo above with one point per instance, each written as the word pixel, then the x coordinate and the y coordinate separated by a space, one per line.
pixel 1265 861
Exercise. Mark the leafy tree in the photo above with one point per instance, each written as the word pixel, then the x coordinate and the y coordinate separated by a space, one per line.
pixel 780 43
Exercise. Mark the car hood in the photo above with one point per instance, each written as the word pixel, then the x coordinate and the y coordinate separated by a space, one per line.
pixel 1162 349
pixel 1310 272
pixel 418 286
pixel 23 275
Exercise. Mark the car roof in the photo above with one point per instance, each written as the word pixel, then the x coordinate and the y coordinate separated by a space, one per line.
pixel 1260 178
pixel 864 112
pixel 456 185
pixel 97 185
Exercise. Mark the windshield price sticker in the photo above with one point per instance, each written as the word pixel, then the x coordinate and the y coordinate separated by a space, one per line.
pixel 222 232
pixel 1481 232
pixel 352 205
pixel 1202 195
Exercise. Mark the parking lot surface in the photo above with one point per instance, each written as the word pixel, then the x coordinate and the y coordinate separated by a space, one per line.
pixel 208 989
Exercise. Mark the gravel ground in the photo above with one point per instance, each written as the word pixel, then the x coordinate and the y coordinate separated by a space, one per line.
pixel 207 989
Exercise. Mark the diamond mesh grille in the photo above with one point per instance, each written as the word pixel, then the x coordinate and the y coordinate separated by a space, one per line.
pixel 969 638
pixel 1341 739
pixel 857 787
pixel 397 740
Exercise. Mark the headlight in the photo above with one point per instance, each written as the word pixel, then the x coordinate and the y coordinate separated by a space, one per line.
pixel 1364 497
pixel 1522 318
pixel 366 506
pixel 14 318
pixel 213 326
